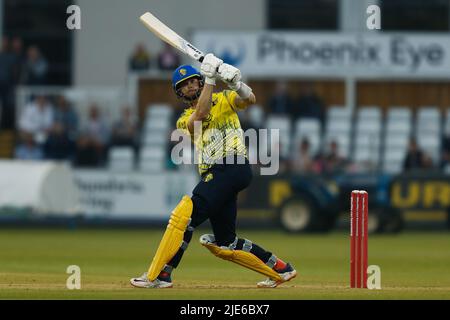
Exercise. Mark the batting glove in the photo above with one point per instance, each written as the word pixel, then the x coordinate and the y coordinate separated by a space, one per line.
pixel 230 75
pixel 209 68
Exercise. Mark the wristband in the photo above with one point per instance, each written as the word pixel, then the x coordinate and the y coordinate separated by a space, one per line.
pixel 243 90
pixel 211 81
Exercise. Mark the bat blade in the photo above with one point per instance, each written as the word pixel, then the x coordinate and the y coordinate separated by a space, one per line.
pixel 169 36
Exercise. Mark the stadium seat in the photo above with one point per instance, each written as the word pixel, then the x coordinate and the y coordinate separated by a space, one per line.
pixel 338 112
pixel 155 137
pixel 343 142
pixel 400 126
pixel 367 135
pixel 447 122
pixel 256 115
pixel 157 124
pixel 310 129
pixel 369 112
pixel 393 160
pixel 282 123
pixel 152 159
pixel 428 131
pixel 338 128
pixel 395 113
pixel 159 111
pixel 121 159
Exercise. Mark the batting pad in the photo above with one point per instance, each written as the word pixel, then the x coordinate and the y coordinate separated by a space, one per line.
pixel 243 258
pixel 172 238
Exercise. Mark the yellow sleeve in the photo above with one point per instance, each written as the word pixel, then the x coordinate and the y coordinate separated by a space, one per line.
pixel 231 95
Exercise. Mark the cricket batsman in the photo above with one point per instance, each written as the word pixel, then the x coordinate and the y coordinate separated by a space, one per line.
pixel 215 196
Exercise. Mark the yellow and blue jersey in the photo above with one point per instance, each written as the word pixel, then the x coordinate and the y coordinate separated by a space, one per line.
pixel 221 134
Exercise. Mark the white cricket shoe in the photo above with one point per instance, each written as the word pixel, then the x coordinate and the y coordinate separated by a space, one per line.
pixel 287 274
pixel 143 282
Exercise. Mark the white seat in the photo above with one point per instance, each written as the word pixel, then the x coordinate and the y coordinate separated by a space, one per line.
pixel 155 138
pixel 393 167
pixel 399 112
pixel 428 119
pixel 431 145
pixel 309 129
pixel 152 159
pixel 399 126
pixel 153 153
pixel 371 155
pixel 369 112
pixel 428 112
pixel 338 112
pixel 343 143
pixel 159 111
pixel 447 122
pixel 256 115
pixel 151 166
pixel 121 159
pixel 367 140
pixel 157 124
pixel 368 126
pixel 394 155
pixel 307 125
pixel 396 141
pixel 283 124
pixel 339 125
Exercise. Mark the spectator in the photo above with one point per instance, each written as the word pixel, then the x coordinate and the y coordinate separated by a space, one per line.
pixel 168 59
pixel 60 144
pixel 6 81
pixel 140 59
pixel 303 160
pixel 92 142
pixel 281 101
pixel 66 116
pixel 35 68
pixel 309 105
pixel 37 119
pixel 414 157
pixel 445 161
pixel 18 58
pixel 332 161
pixel 124 132
pixel 28 149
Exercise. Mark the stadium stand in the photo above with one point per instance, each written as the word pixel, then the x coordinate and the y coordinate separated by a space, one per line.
pixel 428 131
pixel 121 159
pixel 367 141
pixel 396 136
pixel 338 128
pixel 310 129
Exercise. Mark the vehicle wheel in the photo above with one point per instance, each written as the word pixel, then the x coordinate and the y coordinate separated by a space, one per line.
pixel 298 214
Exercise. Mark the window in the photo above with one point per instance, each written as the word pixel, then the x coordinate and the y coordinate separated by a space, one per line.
pixel 415 15
pixel 303 14
pixel 42 23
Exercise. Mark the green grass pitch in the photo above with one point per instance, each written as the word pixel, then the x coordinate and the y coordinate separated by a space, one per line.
pixel 33 265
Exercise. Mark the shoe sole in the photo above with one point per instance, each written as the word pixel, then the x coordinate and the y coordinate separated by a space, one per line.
pixel 292 276
pixel 165 287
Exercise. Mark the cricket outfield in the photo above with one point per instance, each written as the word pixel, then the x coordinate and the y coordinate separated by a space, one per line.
pixel 33 264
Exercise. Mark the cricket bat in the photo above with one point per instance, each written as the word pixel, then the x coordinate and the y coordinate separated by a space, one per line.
pixel 171 37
